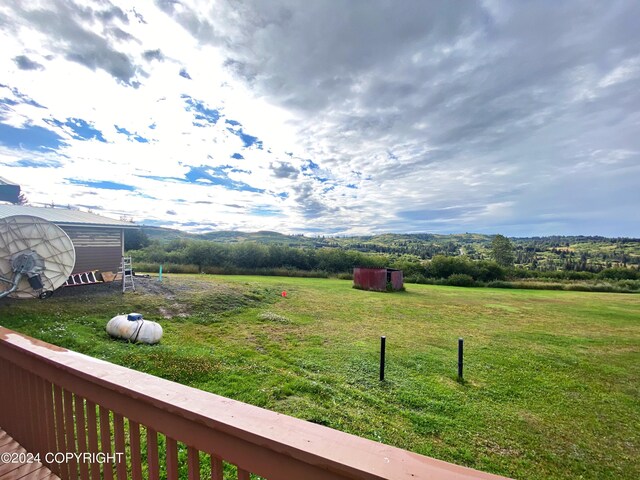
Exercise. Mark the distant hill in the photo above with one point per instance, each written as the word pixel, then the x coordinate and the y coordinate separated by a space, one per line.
pixel 227 236
pixel 567 252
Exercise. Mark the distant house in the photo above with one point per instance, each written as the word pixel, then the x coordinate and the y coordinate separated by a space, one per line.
pixel 98 240
pixel 378 279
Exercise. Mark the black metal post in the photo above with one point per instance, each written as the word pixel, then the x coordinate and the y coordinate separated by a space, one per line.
pixel 460 358
pixel 383 342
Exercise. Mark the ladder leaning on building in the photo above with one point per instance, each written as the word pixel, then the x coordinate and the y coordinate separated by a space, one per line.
pixel 127 275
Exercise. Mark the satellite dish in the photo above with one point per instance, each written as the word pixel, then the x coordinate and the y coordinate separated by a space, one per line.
pixel 36 257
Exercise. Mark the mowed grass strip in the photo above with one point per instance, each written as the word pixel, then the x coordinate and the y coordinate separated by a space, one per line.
pixel 551 378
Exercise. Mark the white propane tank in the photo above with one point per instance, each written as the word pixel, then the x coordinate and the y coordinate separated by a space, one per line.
pixel 134 328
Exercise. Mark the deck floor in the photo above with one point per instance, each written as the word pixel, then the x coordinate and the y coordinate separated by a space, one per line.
pixel 22 471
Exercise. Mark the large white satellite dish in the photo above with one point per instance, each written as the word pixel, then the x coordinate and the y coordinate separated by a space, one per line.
pixel 36 257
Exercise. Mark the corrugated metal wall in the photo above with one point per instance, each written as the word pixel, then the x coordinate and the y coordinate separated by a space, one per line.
pixel 96 248
pixel 370 278
pixel 397 279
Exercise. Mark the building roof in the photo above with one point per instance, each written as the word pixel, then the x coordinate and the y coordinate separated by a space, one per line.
pixel 64 217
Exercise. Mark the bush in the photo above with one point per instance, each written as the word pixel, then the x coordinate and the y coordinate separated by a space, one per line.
pixel 619 273
pixel 344 276
pixel 500 284
pixel 460 280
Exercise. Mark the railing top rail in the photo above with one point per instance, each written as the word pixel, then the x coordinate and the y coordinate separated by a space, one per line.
pixel 199 418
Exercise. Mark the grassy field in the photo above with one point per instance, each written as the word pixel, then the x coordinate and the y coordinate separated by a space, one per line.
pixel 552 379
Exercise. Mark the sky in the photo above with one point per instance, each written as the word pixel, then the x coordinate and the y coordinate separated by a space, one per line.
pixel 317 117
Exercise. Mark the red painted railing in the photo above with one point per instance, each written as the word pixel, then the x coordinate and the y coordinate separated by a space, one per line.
pixel 114 422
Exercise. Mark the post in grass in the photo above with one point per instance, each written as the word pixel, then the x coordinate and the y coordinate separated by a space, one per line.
pixel 460 358
pixel 383 343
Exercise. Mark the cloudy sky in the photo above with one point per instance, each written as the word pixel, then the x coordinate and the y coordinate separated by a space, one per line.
pixel 328 117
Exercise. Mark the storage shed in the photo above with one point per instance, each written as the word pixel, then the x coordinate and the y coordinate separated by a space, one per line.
pixel 98 240
pixel 378 279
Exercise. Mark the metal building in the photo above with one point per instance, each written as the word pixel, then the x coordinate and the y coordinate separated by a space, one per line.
pixel 98 240
pixel 378 279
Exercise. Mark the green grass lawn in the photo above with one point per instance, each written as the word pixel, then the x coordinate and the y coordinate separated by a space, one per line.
pixel 552 378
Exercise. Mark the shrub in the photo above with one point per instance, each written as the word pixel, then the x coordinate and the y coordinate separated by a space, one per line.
pixel 619 273
pixel 460 280
pixel 344 276
pixel 500 284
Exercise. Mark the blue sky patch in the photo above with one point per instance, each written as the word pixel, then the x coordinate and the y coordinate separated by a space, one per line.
pixel 131 136
pixel 313 170
pixel 30 137
pixel 21 97
pixel 81 130
pixel 265 211
pixel 219 176
pixel 237 156
pixel 233 123
pixel 102 184
pixel 28 163
pixel 8 101
pixel 247 140
pixel 212 176
pixel 310 165
pixel 183 73
pixel 201 112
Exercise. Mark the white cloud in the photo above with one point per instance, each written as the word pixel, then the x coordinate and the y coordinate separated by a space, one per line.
pixel 435 117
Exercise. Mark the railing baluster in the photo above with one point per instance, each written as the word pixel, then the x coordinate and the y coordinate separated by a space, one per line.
pixel 81 434
pixel 51 425
pixel 27 405
pixel 243 474
pixel 31 406
pixel 4 381
pixel 136 457
pixel 121 461
pixel 193 463
pixel 92 433
pixel 18 415
pixel 38 415
pixel 172 459
pixel 61 442
pixel 41 406
pixel 152 454
pixel 70 431
pixel 105 442
pixel 216 468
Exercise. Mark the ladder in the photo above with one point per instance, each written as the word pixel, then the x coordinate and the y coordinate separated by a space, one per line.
pixel 83 278
pixel 127 275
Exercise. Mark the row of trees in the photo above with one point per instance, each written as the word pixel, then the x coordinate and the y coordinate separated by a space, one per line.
pixel 254 256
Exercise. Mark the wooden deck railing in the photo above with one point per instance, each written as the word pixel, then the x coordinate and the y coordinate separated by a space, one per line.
pixel 124 424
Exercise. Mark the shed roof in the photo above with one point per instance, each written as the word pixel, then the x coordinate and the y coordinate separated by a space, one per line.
pixel 64 217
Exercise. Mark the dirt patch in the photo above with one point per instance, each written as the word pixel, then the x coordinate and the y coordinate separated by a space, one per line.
pixel 179 297
pixel 150 286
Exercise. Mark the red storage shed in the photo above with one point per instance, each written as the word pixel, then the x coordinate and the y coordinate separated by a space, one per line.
pixel 378 279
